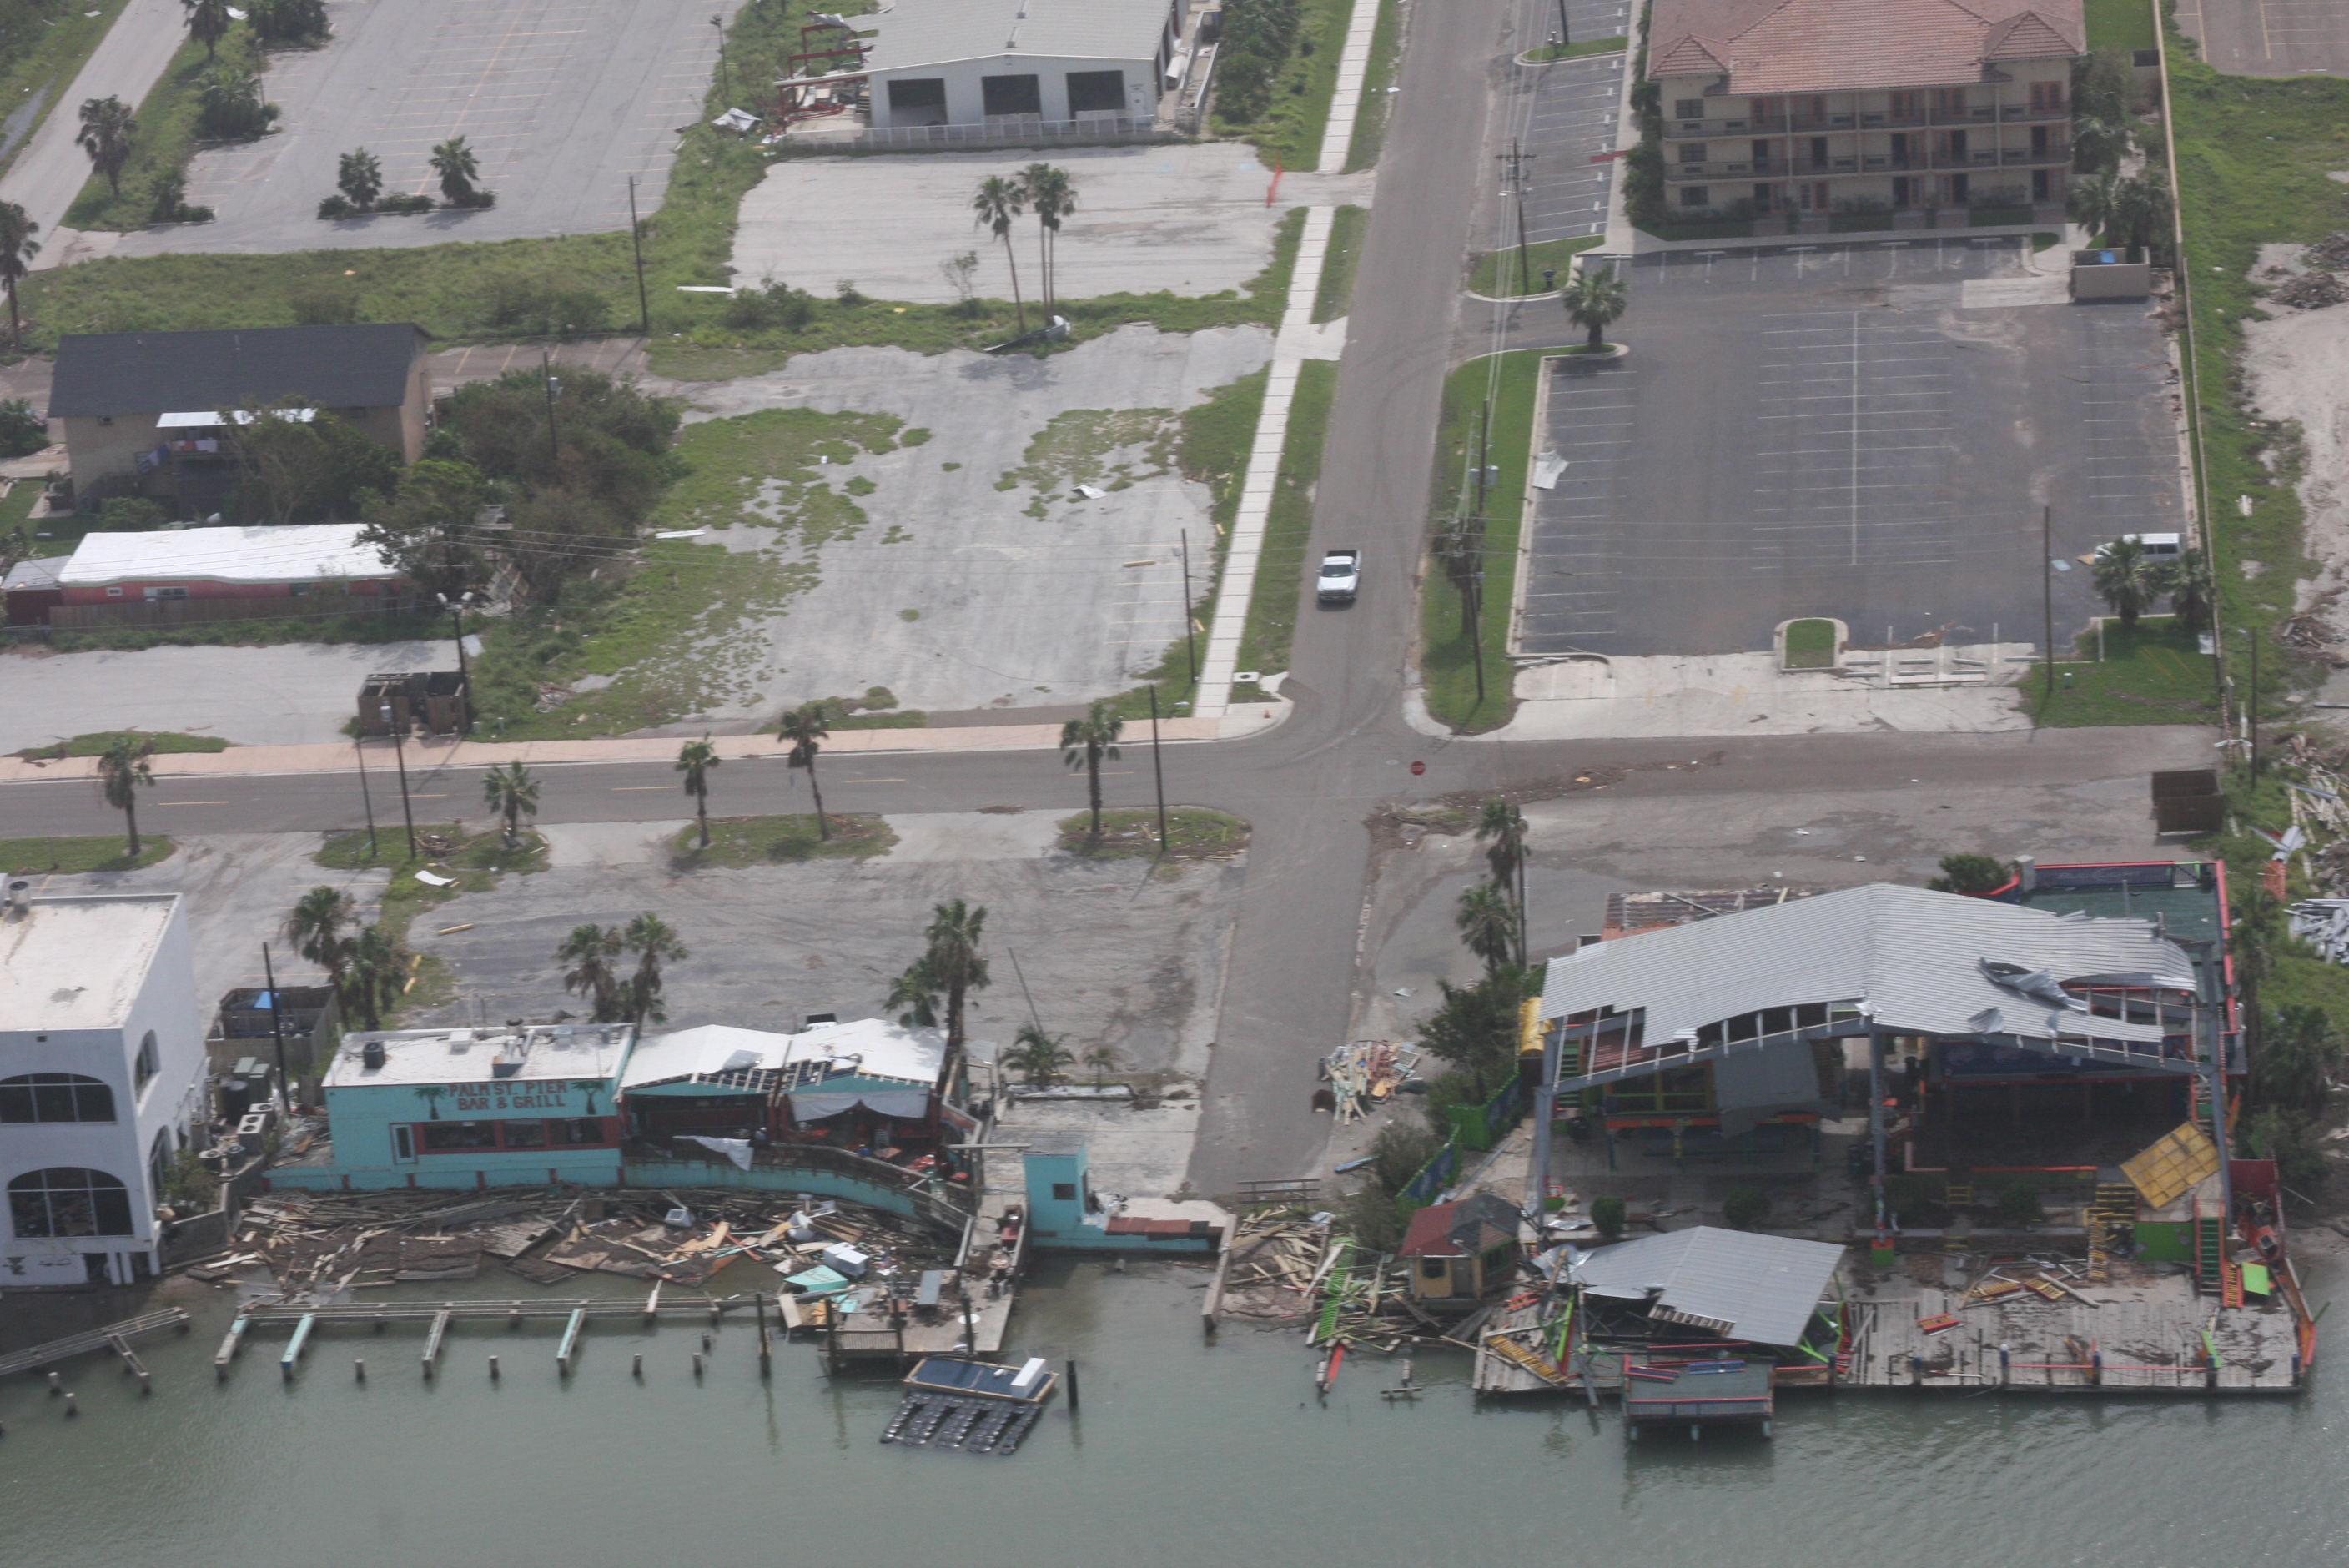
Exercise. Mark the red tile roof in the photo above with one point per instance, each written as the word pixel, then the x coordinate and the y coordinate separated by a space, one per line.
pixel 1851 45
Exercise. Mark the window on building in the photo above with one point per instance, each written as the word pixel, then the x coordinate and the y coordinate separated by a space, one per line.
pixel 525 1134
pixel 2047 97
pixel 1688 109
pixel 1692 152
pixel 159 1162
pixel 443 1137
pixel 150 1063
pixel 114 593
pixel 1907 105
pixel 1696 196
pixel 1096 92
pixel 67 1200
pixel 577 1132
pixel 167 592
pixel 1010 96
pixel 1434 1268
pixel 1948 100
pixel 55 1097
pixel 918 100
pixel 1064 1191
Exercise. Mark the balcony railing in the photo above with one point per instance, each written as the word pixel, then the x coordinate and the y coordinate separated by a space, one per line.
pixel 1873 163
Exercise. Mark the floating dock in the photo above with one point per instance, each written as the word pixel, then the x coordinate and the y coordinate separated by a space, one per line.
pixel 971 1406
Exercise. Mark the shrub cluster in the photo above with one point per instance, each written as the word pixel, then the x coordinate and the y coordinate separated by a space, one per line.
pixel 1257 37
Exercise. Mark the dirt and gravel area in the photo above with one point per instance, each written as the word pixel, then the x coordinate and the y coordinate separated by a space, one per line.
pixel 1118 953
pixel 2296 370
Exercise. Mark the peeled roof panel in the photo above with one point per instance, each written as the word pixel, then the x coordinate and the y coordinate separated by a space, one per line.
pixel 1764 1287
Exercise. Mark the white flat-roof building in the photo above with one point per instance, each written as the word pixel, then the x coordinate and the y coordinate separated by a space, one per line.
pixel 1015 63
pixel 232 562
pixel 101 1076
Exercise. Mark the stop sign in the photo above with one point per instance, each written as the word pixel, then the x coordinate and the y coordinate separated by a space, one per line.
pixel 1417 768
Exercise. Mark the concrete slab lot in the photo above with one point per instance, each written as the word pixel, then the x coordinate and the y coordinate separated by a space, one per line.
pixel 283 694
pixel 1865 432
pixel 1193 219
pixel 561 99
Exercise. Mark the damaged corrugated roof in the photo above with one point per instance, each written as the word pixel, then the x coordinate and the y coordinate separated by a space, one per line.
pixel 1761 1289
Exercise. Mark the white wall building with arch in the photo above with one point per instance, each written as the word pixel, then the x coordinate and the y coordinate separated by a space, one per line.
pixel 101 1081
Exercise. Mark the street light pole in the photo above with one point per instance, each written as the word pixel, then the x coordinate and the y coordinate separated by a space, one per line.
pixel 400 752
pixel 547 374
pixel 1158 768
pixel 724 90
pixel 464 676
pixel 1190 639
pixel 636 239
pixel 367 797
pixel 277 1031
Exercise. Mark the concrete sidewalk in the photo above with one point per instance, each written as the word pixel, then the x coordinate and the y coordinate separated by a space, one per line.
pixel 340 755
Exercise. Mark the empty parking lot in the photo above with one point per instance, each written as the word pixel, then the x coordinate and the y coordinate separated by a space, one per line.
pixel 1865 432
pixel 561 100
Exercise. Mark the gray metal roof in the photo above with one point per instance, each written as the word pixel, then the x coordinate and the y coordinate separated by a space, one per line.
pixel 362 367
pixel 1914 957
pixel 1763 1288
pixel 914 32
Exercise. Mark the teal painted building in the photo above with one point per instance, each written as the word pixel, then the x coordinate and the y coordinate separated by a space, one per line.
pixel 1065 1213
pixel 503 1107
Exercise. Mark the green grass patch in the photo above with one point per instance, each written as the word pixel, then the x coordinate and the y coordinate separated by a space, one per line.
pixel 42 58
pixel 105 853
pixel 2120 25
pixel 1448 666
pixel 1496 276
pixel 1281 565
pixel 1337 264
pixel 1193 832
pixel 1370 115
pixel 1549 53
pixel 368 628
pixel 2155 673
pixel 96 742
pixel 1858 223
pixel 2044 241
pixel 166 139
pixel 2253 157
pixel 475 862
pixel 1811 644
pixel 776 840
pixel 16 507
pixel 1289 132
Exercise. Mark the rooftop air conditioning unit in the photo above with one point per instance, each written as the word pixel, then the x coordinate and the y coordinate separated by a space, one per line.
pixel 371 1052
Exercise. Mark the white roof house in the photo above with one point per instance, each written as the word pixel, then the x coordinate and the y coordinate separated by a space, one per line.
pixel 535 1053
pixel 309 553
pixel 982 62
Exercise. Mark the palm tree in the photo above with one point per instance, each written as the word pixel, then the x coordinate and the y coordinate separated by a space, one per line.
pixel 2095 201
pixel 2187 581
pixel 1036 1055
pixel 1595 300
pixel 510 791
pixel 695 758
pixel 1051 195
pixel 1502 830
pixel 108 134
pixel 1487 924
pixel 457 168
pixel 316 929
pixel 122 771
pixel 997 202
pixel 2143 210
pixel 378 964
pixel 17 248
pixel 915 991
pixel 1102 1060
pixel 805 726
pixel 589 950
pixel 652 940
pixel 953 964
pixel 2127 579
pixel 207 23
pixel 1084 742
pixel 359 177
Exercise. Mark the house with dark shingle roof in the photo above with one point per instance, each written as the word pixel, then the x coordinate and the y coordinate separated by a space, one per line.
pixel 142 408
pixel 1813 107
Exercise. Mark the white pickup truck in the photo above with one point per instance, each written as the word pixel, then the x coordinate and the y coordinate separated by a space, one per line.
pixel 1342 574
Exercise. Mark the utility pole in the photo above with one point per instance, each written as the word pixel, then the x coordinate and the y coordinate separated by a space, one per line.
pixel 2251 706
pixel 1516 157
pixel 1158 768
pixel 724 90
pixel 366 797
pixel 400 751
pixel 278 1030
pixel 1190 639
pixel 547 374
pixel 1563 37
pixel 2047 586
pixel 464 676
pixel 636 239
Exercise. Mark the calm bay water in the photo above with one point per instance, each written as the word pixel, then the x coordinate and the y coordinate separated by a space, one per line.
pixel 1185 1452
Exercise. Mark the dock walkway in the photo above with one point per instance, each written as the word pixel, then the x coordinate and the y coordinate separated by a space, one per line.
pixel 114 1336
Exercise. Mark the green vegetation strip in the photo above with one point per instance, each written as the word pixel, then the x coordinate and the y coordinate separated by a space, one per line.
pixel 2252 161
pixel 1447 657
pixel 1193 832
pixel 1811 644
pixel 1370 115
pixel 98 741
pixel 37 857
pixel 1282 559
pixel 42 49
pixel 166 139
pixel 776 840
pixel 1346 227
pixel 1294 113
pixel 1550 52
pixel 2120 25
pixel 1496 275
pixel 2155 673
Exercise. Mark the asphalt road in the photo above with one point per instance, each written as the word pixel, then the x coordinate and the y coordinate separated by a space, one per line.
pixel 1867 431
